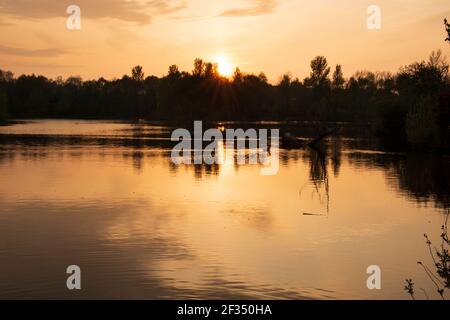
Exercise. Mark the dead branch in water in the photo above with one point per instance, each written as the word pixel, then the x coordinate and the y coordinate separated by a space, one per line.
pixel 324 135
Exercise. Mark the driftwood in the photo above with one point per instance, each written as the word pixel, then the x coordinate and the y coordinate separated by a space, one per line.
pixel 293 142
pixel 324 135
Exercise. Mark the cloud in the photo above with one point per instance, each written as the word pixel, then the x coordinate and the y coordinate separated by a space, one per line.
pixel 437 17
pixel 42 53
pixel 136 11
pixel 3 23
pixel 187 18
pixel 257 8
pixel 164 6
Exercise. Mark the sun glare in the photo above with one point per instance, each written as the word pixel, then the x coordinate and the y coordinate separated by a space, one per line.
pixel 224 66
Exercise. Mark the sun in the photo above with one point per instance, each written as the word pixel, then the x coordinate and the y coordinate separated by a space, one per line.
pixel 224 66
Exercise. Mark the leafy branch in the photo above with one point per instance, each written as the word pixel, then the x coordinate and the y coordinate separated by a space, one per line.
pixel 441 259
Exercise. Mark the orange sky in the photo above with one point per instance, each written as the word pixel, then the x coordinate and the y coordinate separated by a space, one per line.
pixel 274 36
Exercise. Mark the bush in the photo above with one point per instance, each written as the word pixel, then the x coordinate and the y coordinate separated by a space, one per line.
pixel 421 126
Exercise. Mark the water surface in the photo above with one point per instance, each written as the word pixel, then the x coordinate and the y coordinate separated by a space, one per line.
pixel 105 196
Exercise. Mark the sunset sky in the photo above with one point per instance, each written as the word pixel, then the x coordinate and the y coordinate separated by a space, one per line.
pixel 274 36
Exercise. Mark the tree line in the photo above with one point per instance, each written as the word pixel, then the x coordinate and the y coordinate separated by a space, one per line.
pixel 418 94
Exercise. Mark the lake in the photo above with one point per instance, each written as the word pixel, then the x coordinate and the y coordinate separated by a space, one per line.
pixel 104 195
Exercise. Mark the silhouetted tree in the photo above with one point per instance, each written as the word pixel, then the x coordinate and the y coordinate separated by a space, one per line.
pixel 424 78
pixel 75 81
pixel 137 74
pixel 210 70
pixel 385 82
pixel 6 79
pixel 262 76
pixel 421 125
pixel 338 78
pixel 320 72
pixel 237 76
pixel 6 76
pixel 285 88
pixel 381 99
pixel 198 67
pixel 3 106
pixel 174 71
pixel 438 62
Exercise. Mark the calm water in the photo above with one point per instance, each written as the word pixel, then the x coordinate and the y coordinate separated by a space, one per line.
pixel 105 196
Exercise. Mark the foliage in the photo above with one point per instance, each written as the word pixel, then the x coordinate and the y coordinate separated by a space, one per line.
pixel 137 74
pixel 320 72
pixel 3 106
pixel 424 78
pixel 421 125
pixel 389 115
pixel 381 99
pixel 338 78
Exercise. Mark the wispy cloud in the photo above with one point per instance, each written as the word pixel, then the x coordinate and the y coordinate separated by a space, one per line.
pixel 255 8
pixel 167 7
pixel 140 12
pixel 3 23
pixel 42 53
pixel 437 17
